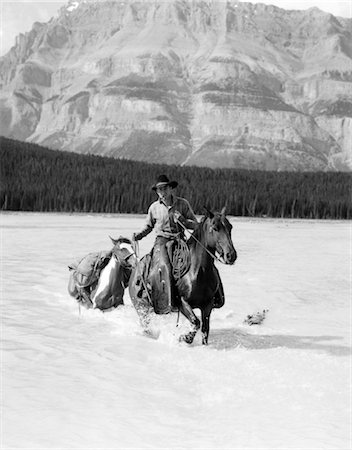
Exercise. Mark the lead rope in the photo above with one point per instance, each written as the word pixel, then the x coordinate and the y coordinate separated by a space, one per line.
pixel 135 247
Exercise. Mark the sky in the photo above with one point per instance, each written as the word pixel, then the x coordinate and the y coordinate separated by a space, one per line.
pixel 18 16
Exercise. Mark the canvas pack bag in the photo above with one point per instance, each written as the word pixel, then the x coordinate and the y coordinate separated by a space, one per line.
pixel 87 270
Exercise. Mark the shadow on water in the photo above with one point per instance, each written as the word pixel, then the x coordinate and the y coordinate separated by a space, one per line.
pixel 226 339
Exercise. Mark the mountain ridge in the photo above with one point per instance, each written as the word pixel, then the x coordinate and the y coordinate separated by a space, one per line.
pixel 197 83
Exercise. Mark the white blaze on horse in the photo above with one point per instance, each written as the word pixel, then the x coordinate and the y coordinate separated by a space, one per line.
pixel 200 287
pixel 100 279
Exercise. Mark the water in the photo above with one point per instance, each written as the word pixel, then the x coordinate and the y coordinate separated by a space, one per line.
pixel 94 381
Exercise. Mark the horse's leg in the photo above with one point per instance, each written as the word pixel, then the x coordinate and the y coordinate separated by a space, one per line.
pixel 219 296
pixel 107 302
pixel 187 311
pixel 205 324
pixel 118 300
pixel 140 300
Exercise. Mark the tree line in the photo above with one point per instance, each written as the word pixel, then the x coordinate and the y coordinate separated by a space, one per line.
pixel 34 178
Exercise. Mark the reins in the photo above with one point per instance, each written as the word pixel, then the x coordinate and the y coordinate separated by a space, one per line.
pixel 203 246
pixel 135 246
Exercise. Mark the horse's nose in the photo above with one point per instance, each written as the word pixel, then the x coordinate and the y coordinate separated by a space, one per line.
pixel 231 256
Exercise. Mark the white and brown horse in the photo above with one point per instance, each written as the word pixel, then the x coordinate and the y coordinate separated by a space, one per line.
pixel 107 292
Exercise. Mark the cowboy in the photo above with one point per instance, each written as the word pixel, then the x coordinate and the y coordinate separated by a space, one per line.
pixel 165 216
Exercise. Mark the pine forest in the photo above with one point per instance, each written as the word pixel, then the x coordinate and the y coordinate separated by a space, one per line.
pixel 34 178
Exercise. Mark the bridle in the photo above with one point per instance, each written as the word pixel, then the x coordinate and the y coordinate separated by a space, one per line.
pixel 118 254
pixel 213 255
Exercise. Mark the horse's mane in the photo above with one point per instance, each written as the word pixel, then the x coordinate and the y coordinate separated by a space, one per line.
pixel 199 230
pixel 124 240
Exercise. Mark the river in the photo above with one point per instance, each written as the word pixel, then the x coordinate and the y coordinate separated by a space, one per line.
pixel 91 380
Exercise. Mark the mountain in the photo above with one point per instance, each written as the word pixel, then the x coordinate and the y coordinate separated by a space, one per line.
pixel 217 84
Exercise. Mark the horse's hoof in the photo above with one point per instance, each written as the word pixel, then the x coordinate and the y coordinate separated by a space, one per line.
pixel 188 338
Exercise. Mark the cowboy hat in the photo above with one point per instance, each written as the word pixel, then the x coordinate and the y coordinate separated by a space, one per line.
pixel 164 181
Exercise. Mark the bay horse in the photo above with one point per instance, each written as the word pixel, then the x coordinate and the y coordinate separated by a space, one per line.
pixel 201 286
pixel 107 292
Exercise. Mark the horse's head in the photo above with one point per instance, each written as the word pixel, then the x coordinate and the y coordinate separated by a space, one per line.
pixel 218 235
pixel 114 276
pixel 123 249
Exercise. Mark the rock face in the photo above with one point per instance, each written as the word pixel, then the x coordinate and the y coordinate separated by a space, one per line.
pixel 218 84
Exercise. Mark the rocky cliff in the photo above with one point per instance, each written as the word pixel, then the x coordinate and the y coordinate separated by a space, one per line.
pixel 218 84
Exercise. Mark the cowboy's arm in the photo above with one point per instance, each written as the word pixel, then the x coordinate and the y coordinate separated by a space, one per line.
pixel 186 216
pixel 149 225
pixel 142 234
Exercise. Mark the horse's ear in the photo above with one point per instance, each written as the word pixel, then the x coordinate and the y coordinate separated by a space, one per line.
pixel 114 241
pixel 120 240
pixel 208 213
pixel 223 211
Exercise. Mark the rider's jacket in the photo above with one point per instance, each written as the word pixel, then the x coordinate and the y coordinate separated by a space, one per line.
pixel 161 218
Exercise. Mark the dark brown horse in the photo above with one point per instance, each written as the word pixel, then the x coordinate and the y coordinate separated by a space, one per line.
pixel 201 286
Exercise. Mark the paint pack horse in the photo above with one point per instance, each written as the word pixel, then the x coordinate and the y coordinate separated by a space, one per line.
pixel 199 287
pixel 99 279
